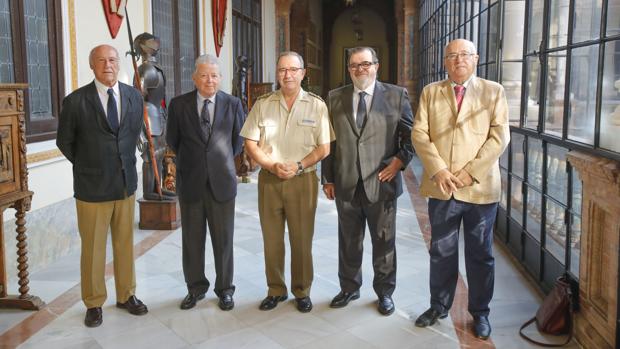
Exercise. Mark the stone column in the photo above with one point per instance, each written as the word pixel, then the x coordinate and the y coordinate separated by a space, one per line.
pixel 283 25
pixel 595 323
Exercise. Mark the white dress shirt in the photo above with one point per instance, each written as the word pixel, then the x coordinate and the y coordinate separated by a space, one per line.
pixel 200 100
pixel 102 90
pixel 367 98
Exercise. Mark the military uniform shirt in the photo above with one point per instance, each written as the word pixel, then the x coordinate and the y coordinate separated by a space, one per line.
pixel 288 136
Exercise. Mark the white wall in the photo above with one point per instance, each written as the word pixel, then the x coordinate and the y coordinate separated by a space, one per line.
pixel 269 41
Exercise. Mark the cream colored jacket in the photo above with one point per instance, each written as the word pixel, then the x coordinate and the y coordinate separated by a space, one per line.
pixel 472 139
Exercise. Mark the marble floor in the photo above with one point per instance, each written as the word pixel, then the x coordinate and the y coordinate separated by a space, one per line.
pixel 359 325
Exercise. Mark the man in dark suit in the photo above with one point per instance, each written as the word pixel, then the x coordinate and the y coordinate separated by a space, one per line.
pixel 98 132
pixel 203 131
pixel 372 122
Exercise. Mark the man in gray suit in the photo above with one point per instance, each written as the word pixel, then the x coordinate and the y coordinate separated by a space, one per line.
pixel 203 131
pixel 372 122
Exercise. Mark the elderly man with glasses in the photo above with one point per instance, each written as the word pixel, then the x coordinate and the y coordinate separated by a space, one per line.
pixel 287 133
pixel 460 131
pixel 372 122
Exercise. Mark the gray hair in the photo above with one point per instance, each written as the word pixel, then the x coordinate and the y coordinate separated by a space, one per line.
pixel 359 49
pixel 91 55
pixel 469 43
pixel 291 53
pixel 206 59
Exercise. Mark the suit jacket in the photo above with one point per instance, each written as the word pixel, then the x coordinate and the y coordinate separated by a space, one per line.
pixel 201 160
pixel 472 139
pixel 385 135
pixel 104 164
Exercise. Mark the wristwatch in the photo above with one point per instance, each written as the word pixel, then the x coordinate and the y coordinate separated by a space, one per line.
pixel 300 169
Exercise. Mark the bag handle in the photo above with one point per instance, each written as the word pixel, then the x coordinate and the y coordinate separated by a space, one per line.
pixel 549 345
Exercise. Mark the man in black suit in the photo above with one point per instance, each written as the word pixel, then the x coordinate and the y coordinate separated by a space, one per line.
pixel 372 122
pixel 203 131
pixel 98 132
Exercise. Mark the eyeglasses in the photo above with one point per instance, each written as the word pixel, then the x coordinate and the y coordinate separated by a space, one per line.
pixel 461 55
pixel 364 65
pixel 292 70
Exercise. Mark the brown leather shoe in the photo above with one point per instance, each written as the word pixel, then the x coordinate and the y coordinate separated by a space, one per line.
pixel 94 317
pixel 134 306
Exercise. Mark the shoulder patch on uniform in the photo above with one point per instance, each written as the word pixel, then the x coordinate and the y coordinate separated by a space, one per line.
pixel 266 95
pixel 315 96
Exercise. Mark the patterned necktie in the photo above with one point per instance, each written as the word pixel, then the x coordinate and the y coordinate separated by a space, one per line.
pixel 361 111
pixel 459 92
pixel 205 119
pixel 112 111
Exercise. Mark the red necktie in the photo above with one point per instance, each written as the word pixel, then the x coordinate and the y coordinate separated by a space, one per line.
pixel 459 92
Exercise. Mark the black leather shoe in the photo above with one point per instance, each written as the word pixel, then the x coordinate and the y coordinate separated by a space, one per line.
pixel 190 300
pixel 386 305
pixel 270 302
pixel 304 305
pixel 226 302
pixel 429 317
pixel 134 306
pixel 343 298
pixel 94 317
pixel 482 327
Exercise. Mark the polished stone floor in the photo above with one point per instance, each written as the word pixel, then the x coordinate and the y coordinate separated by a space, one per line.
pixel 359 325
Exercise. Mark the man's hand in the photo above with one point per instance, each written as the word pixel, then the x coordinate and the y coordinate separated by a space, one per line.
pixel 284 171
pixel 464 177
pixel 447 182
pixel 391 170
pixel 329 190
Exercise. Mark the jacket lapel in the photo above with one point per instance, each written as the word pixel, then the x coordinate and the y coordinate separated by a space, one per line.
pixel 125 103
pixel 377 108
pixel 448 94
pixel 347 106
pixel 191 111
pixel 471 95
pixel 221 106
pixel 93 98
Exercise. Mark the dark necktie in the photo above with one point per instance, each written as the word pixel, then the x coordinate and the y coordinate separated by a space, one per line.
pixel 459 92
pixel 112 111
pixel 205 122
pixel 361 111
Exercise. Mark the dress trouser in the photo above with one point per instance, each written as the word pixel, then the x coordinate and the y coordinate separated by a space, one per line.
pixel 352 218
pixel 220 217
pixel 478 219
pixel 292 201
pixel 94 221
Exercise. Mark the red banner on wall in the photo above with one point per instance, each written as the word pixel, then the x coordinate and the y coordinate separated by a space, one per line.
pixel 218 18
pixel 114 11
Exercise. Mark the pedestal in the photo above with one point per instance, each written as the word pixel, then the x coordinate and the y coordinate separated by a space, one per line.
pixel 159 215
pixel 596 320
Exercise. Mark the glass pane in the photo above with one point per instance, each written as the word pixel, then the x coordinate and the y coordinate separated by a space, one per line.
pixel 558 24
pixel 475 28
pixel 504 177
pixel 247 7
pixel 575 245
pixel 37 53
pixel 493 34
pixel 587 20
pixel 187 42
pixel 514 20
pixel 236 5
pixel 6 44
pixel 483 38
pixel 484 4
pixel 577 193
pixel 554 106
pixel 516 201
pixel 610 107
pixel 492 71
pixel 556 230
pixel 583 77
pixel 536 24
pixel 518 154
pixel 556 173
pixel 511 80
pixel 162 27
pixel 613 17
pixel 534 200
pixel 533 93
pixel 534 162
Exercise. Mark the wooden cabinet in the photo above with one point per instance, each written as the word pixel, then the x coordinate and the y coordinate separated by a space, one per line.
pixel 14 191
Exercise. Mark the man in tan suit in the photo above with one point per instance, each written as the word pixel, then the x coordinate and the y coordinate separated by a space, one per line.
pixel 460 131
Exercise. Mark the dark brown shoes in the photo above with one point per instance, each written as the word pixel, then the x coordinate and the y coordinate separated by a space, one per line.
pixel 94 317
pixel 134 306
pixel 190 300
pixel 343 298
pixel 271 302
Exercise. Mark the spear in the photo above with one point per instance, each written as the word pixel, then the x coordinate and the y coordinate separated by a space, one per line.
pixel 145 115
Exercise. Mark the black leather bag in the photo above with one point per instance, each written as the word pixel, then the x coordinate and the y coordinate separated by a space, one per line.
pixel 555 314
